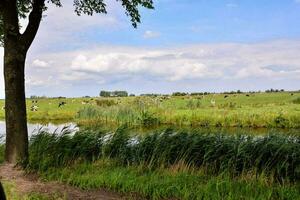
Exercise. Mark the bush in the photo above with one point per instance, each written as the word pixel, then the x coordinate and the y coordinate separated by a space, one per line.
pixel 105 102
pixel 147 119
pixel 296 101
pixel 88 113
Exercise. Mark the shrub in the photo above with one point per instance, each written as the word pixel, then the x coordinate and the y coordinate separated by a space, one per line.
pixel 296 101
pixel 105 102
pixel 147 119
pixel 88 112
pixel 281 122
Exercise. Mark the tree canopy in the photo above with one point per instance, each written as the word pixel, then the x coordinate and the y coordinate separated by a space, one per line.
pixel 33 9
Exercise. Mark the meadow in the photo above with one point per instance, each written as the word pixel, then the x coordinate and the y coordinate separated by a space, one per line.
pixel 256 110
pixel 170 163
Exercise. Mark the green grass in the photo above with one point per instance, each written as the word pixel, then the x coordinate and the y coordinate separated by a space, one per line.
pixel 258 110
pixel 171 183
pixel 171 165
pixel 11 194
pixel 280 110
pixel 277 156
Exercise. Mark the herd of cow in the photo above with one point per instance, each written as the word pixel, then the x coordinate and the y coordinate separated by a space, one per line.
pixel 35 107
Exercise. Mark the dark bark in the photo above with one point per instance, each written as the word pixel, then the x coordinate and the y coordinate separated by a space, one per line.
pixel 2 194
pixel 15 105
pixel 15 49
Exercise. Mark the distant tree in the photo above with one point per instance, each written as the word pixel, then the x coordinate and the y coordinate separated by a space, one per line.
pixel 179 94
pixel 16 46
pixel 120 94
pixel 113 93
pixel 104 93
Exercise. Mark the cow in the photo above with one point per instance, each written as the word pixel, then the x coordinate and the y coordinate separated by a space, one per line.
pixel 34 108
pixel 61 104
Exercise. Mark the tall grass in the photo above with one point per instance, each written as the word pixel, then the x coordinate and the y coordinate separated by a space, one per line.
pixel 138 182
pixel 276 156
pixel 296 101
pixel 261 110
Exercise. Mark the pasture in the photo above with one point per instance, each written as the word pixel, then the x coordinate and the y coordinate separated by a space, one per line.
pixel 256 110
pixel 173 163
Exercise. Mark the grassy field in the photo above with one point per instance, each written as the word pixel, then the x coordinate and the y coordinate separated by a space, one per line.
pixel 170 164
pixel 281 110
pixel 170 183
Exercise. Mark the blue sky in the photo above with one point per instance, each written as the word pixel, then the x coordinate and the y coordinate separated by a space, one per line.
pixel 182 45
pixel 206 21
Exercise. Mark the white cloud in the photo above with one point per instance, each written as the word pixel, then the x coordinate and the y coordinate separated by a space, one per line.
pixel 40 63
pixel 175 67
pixel 61 28
pixel 151 34
pixel 166 65
pixel 103 64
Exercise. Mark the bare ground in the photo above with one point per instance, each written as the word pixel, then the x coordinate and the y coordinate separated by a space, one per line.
pixel 28 183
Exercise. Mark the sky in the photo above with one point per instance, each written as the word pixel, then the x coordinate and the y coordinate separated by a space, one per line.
pixel 181 45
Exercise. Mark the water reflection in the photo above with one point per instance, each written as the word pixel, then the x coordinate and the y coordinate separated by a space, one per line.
pixel 201 130
pixel 53 127
pixel 49 127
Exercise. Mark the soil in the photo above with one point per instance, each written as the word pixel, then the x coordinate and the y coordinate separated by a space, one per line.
pixel 30 183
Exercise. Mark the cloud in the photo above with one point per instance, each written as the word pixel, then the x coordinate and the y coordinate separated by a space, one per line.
pixel 62 29
pixel 104 64
pixel 165 65
pixel 297 1
pixel 151 34
pixel 40 63
pixel 202 66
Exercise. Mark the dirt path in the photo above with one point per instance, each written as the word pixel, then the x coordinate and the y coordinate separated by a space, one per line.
pixel 30 183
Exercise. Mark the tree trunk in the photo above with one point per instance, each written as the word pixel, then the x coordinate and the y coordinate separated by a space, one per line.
pixel 15 104
pixel 2 194
pixel 16 46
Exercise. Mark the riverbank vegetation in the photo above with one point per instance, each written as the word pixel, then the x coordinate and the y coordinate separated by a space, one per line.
pixel 256 110
pixel 169 164
pixel 172 163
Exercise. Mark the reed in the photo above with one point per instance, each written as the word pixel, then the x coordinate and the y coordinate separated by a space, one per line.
pixel 277 156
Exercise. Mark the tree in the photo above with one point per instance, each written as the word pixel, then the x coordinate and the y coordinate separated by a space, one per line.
pixel 16 46
pixel 2 194
pixel 104 93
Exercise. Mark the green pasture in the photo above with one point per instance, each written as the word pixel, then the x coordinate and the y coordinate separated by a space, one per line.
pixel 280 110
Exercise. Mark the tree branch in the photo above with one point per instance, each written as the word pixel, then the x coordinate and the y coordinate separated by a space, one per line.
pixel 35 17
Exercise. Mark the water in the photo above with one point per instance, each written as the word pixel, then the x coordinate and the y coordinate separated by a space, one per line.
pixel 49 127
pixel 203 130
